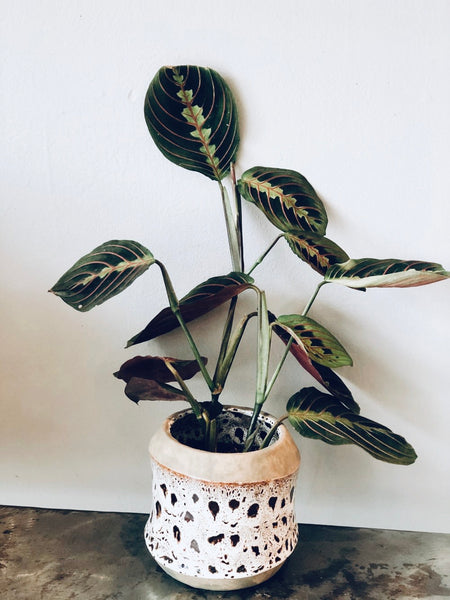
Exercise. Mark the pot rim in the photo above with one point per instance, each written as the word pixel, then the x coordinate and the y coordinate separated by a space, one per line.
pixel 280 459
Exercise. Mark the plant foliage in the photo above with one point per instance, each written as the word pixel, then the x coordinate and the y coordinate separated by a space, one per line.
pixel 192 117
pixel 102 273
pixel 321 416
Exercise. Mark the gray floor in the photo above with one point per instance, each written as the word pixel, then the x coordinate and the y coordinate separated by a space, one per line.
pixel 59 555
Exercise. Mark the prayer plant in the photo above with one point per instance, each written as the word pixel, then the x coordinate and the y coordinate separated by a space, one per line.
pixel 192 117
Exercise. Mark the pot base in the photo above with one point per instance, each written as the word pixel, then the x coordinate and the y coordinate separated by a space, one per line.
pixel 221 585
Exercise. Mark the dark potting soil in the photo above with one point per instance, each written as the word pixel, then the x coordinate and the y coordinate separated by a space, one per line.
pixel 232 427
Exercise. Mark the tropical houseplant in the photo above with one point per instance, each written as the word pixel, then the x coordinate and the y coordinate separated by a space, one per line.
pixel 192 117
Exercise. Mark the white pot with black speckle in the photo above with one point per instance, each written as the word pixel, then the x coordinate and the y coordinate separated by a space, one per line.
pixel 222 520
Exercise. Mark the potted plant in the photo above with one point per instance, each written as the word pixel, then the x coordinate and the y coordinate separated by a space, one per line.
pixel 224 476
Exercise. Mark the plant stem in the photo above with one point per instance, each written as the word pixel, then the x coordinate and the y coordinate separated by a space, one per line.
pixel 207 429
pixel 235 240
pixel 273 430
pixel 196 408
pixel 263 256
pixel 232 233
pixel 278 368
pixel 252 428
pixel 174 305
pixel 238 205
pixel 313 297
pixel 212 440
pixel 264 339
pixel 226 360
pixel 225 341
pixel 290 342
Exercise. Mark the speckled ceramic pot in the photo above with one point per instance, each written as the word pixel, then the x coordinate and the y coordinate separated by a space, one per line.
pixel 222 521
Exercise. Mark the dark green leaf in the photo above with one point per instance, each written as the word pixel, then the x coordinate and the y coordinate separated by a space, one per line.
pixel 286 198
pixel 320 345
pixel 192 117
pixel 318 251
pixel 390 272
pixel 199 301
pixel 154 367
pixel 138 389
pixel 321 416
pixel 103 273
pixel 324 375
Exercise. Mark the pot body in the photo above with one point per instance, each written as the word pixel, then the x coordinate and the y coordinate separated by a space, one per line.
pixel 222 521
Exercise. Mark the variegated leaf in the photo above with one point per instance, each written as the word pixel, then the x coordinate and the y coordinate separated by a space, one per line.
pixel 318 251
pixel 320 345
pixel 192 117
pixel 103 273
pixel 199 301
pixel 154 368
pixel 286 198
pixel 321 416
pixel 323 375
pixel 390 272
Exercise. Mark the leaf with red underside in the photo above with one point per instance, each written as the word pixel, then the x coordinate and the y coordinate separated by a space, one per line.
pixel 138 389
pixel 202 299
pixel 154 368
pixel 324 375
pixel 147 377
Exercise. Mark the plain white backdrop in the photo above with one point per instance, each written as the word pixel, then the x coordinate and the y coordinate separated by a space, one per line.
pixel 354 94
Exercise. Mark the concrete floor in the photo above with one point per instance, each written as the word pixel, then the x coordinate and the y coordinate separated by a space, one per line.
pixel 61 555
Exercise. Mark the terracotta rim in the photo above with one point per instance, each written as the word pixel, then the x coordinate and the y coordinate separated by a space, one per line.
pixel 278 460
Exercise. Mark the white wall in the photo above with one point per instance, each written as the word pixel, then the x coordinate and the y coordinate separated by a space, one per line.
pixel 354 94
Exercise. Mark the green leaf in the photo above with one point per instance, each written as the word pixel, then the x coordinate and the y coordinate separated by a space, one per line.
pixel 323 375
pixel 286 198
pixel 321 416
pixel 320 345
pixel 103 273
pixel 192 117
pixel 138 389
pixel 155 368
pixel 199 301
pixel 390 272
pixel 318 251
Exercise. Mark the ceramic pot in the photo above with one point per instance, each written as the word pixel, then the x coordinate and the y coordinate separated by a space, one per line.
pixel 222 520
